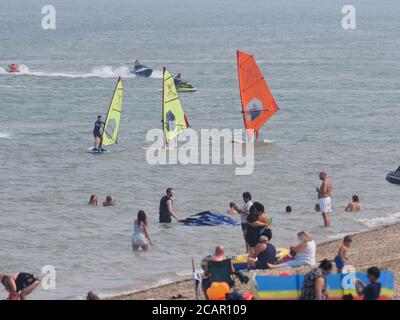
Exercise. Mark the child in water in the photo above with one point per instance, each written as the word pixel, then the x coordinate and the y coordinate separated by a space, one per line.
pixel 288 209
pixel 342 257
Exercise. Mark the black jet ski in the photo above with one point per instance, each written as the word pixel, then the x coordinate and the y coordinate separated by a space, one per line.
pixel 142 70
pixel 394 176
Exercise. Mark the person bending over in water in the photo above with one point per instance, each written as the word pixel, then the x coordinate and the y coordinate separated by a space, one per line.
pixel 93 201
pixel 19 285
pixel 110 202
pixel 354 205
pixel 166 211
pixel 324 196
pixel 342 257
pixel 140 236
pixel 97 132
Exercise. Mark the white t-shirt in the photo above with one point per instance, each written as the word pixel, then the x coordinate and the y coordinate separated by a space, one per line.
pixel 307 256
pixel 246 207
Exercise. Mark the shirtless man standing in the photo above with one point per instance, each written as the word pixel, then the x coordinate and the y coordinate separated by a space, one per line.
pixel 324 197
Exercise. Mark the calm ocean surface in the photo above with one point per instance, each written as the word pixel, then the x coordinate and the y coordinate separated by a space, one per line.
pixel 339 97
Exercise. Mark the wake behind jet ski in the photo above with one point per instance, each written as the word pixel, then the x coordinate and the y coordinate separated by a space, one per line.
pixel 13 68
pixel 394 176
pixel 182 86
pixel 141 70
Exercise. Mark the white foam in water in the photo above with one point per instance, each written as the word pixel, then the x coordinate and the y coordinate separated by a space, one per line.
pixel 379 221
pixel 157 74
pixel 96 72
pixel 4 135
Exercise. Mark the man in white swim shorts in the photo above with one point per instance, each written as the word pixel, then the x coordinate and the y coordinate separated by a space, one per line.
pixel 324 196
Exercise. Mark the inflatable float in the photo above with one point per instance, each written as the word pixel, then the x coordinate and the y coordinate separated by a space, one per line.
pixel 209 218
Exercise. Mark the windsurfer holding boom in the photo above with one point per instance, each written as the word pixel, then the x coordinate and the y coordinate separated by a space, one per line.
pixel 97 133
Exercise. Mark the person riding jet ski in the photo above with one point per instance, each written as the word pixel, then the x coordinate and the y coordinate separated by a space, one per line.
pixel 178 80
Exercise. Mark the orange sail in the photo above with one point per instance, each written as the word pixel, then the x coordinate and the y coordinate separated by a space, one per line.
pixel 258 104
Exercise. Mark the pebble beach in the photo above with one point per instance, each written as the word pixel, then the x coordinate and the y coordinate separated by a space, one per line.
pixel 371 248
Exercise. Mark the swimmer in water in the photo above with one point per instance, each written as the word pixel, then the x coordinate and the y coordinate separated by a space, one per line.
pixel 110 202
pixel 93 201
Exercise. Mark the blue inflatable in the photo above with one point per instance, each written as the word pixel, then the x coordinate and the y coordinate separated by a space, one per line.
pixel 209 218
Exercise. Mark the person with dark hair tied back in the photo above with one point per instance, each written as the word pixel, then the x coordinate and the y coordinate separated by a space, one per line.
pixel 93 201
pixel 257 226
pixel 140 236
pixel 354 205
pixel 315 283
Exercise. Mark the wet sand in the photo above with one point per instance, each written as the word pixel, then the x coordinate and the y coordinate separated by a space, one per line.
pixel 378 247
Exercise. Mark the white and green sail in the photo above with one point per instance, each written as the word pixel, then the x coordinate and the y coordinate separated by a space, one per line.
pixel 113 119
pixel 174 119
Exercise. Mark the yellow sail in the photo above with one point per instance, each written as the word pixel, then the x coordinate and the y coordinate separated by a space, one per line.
pixel 111 127
pixel 174 118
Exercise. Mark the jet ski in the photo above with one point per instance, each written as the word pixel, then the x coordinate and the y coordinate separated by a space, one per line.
pixel 185 87
pixel 142 70
pixel 13 68
pixel 209 218
pixel 394 176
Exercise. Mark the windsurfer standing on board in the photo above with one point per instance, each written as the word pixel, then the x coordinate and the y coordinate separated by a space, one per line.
pixel 166 211
pixel 324 197
pixel 97 133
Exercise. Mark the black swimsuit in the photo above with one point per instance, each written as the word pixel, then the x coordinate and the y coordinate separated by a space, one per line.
pixel 97 129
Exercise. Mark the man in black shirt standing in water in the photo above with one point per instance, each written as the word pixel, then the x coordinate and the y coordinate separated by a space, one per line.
pixel 97 132
pixel 166 211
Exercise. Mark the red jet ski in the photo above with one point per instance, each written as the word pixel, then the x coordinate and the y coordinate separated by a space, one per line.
pixel 13 68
